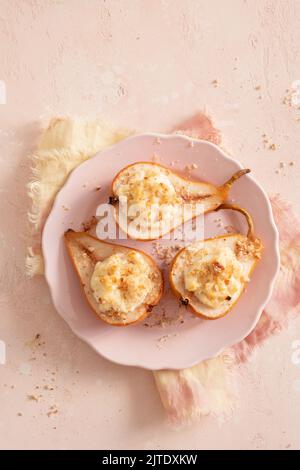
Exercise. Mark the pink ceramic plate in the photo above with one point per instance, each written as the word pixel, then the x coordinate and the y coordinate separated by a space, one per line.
pixel 184 340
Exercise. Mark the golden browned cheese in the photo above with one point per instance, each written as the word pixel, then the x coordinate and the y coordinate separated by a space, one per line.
pixel 121 282
pixel 149 185
pixel 213 274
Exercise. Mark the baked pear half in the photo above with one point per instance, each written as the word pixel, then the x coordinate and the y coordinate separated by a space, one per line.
pixel 152 200
pixel 121 284
pixel 209 276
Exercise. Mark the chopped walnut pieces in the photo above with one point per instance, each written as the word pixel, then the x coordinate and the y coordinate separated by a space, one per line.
pixel 248 249
pixel 217 267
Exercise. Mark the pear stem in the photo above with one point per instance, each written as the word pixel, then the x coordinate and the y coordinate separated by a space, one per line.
pixel 226 186
pixel 250 233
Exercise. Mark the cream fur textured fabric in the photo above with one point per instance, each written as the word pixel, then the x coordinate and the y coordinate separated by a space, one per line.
pixel 64 145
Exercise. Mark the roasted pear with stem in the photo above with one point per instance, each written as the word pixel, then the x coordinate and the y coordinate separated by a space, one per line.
pixel 121 284
pixel 209 276
pixel 152 200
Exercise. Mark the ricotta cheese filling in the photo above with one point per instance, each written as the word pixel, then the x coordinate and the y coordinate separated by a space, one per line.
pixel 121 282
pixel 152 200
pixel 149 185
pixel 213 275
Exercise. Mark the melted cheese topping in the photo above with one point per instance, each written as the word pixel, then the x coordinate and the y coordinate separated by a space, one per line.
pixel 152 201
pixel 121 282
pixel 149 186
pixel 214 275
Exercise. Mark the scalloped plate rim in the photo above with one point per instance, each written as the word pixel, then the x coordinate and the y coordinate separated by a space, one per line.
pixel 271 222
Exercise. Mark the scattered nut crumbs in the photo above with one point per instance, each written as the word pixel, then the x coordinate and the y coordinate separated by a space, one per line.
pixel 215 83
pixel 282 167
pixel 89 224
pixel 53 410
pixel 257 87
pixel 35 343
pixel 165 254
pixel 34 397
pixel 267 143
pixel 163 319
pixel 218 222
pixel 163 339
pixel 47 387
pixel 287 99
pixel 189 168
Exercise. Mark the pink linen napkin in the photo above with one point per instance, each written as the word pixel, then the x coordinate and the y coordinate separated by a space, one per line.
pixel 210 387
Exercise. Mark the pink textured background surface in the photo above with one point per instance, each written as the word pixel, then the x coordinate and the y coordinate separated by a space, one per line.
pixel 146 65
